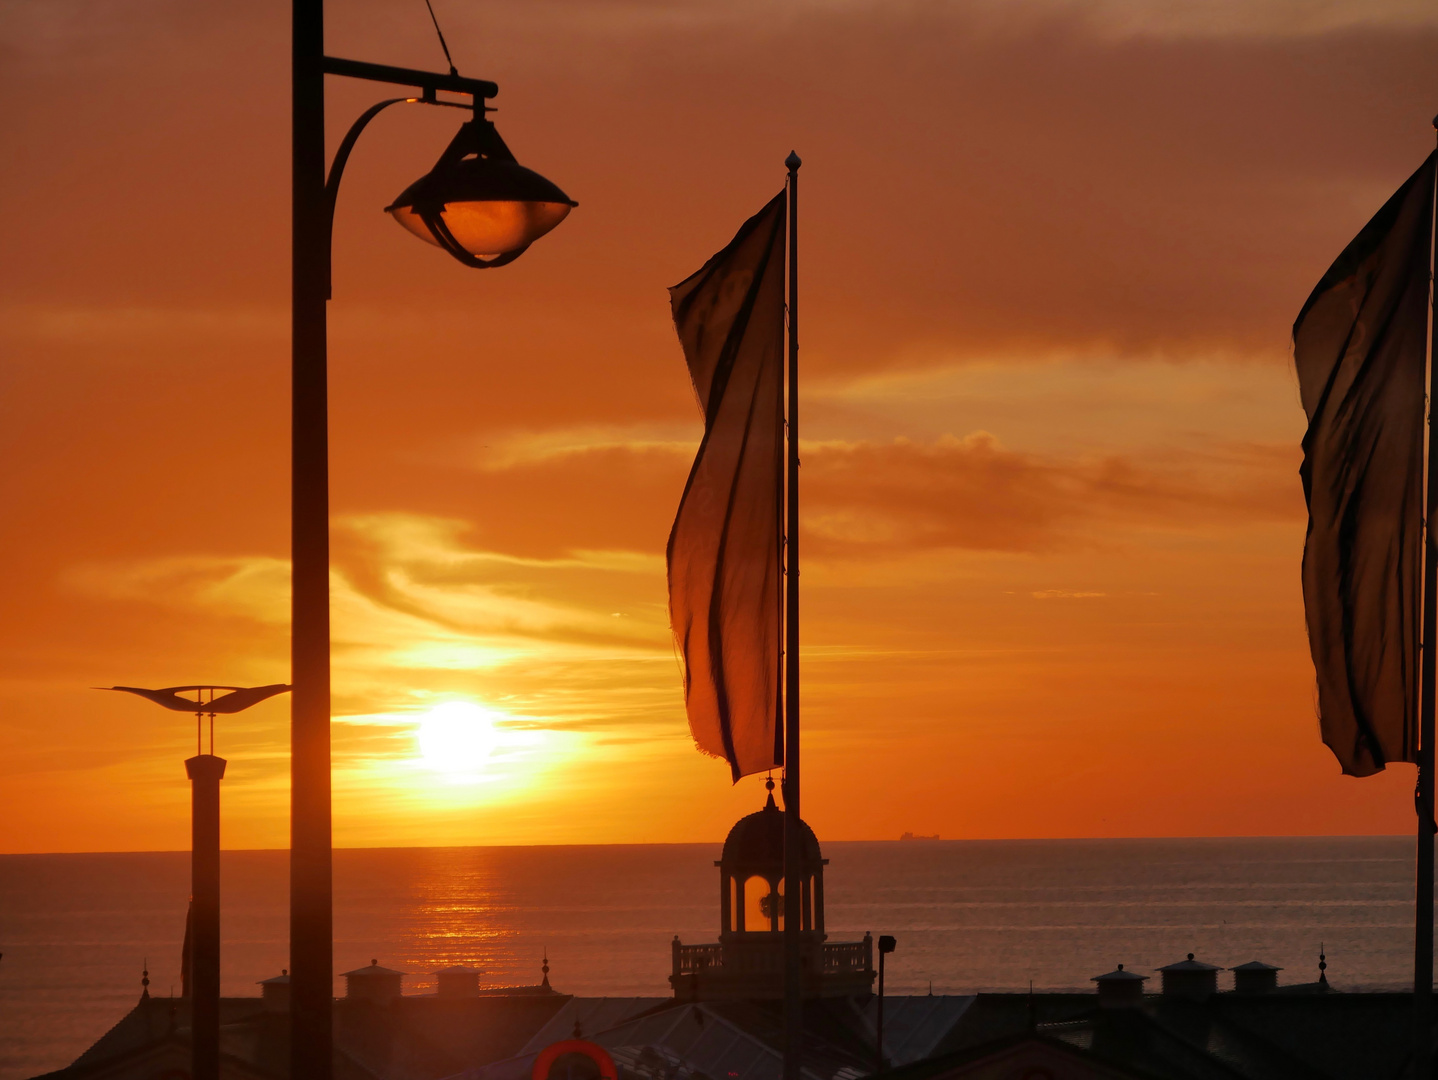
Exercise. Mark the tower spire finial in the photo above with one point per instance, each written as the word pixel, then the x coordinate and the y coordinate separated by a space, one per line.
pixel 145 980
pixel 769 787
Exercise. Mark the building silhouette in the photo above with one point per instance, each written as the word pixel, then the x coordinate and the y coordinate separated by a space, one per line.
pixel 723 1019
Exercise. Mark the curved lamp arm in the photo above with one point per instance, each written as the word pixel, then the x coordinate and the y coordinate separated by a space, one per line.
pixel 342 156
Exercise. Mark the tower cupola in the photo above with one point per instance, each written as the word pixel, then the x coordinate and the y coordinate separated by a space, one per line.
pixel 751 875
pixel 748 959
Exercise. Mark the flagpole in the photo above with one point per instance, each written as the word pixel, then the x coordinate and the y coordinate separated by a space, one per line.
pixel 793 838
pixel 1423 928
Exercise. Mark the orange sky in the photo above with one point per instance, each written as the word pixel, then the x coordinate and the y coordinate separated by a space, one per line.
pixel 1052 253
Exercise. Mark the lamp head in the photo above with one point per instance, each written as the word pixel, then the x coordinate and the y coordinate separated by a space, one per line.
pixel 886 944
pixel 478 203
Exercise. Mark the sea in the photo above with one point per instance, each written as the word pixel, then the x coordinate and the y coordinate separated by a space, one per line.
pixel 77 931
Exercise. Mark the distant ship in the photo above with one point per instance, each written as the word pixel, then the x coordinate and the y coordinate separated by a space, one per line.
pixel 911 836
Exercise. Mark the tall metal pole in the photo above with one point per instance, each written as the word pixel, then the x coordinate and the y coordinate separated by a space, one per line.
pixel 205 772
pixel 311 928
pixel 793 834
pixel 879 1033
pixel 887 944
pixel 1423 923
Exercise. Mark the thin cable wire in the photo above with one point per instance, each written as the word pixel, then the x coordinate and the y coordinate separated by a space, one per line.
pixel 452 69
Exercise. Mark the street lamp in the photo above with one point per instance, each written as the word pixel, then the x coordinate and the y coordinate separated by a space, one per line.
pixel 478 203
pixel 202 930
pixel 886 945
pixel 485 209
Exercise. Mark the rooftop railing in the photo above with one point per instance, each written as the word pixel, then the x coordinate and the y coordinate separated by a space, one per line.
pixel 838 957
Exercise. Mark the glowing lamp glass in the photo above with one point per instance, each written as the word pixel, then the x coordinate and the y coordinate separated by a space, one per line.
pixel 488 229
pixel 481 208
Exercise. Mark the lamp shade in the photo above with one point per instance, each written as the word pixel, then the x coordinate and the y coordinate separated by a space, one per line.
pixel 482 206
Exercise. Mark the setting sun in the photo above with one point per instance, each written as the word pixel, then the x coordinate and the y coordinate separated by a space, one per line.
pixel 457 737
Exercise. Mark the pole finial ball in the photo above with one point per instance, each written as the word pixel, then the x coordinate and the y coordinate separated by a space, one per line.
pixel 793 161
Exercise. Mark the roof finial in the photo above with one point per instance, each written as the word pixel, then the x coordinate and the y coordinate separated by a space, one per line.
pixel 769 786
pixel 545 969
pixel 145 980
pixel 1322 967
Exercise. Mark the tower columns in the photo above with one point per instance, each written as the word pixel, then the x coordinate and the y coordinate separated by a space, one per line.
pixel 205 771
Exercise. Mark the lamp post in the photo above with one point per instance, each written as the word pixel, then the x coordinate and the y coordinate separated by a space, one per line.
pixel 886 945
pixel 202 935
pixel 485 209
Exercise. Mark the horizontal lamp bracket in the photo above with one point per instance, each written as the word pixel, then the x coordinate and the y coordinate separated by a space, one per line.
pixel 427 82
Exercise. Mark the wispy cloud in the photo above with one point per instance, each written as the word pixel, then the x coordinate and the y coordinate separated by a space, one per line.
pixel 509 450
pixel 113 326
pixel 872 496
pixel 253 587
pixel 973 493
pixel 408 596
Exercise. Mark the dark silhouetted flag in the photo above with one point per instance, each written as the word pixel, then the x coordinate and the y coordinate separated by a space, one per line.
pixel 1359 347
pixel 724 574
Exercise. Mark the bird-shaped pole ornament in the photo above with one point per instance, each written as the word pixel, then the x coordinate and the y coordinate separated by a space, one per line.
pixel 236 700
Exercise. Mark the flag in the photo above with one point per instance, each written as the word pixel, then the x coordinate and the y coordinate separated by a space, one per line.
pixel 1359 347
pixel 724 549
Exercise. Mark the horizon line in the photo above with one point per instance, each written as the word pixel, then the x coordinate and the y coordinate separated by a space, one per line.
pixel 920 841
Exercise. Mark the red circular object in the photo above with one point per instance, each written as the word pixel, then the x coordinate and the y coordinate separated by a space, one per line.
pixel 593 1051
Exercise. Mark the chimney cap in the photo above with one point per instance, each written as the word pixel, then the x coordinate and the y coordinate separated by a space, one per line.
pixel 1119 976
pixel 1255 965
pixel 1190 965
pixel 373 969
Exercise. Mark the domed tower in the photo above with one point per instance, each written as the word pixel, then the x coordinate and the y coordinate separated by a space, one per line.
pixel 748 961
pixel 751 878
